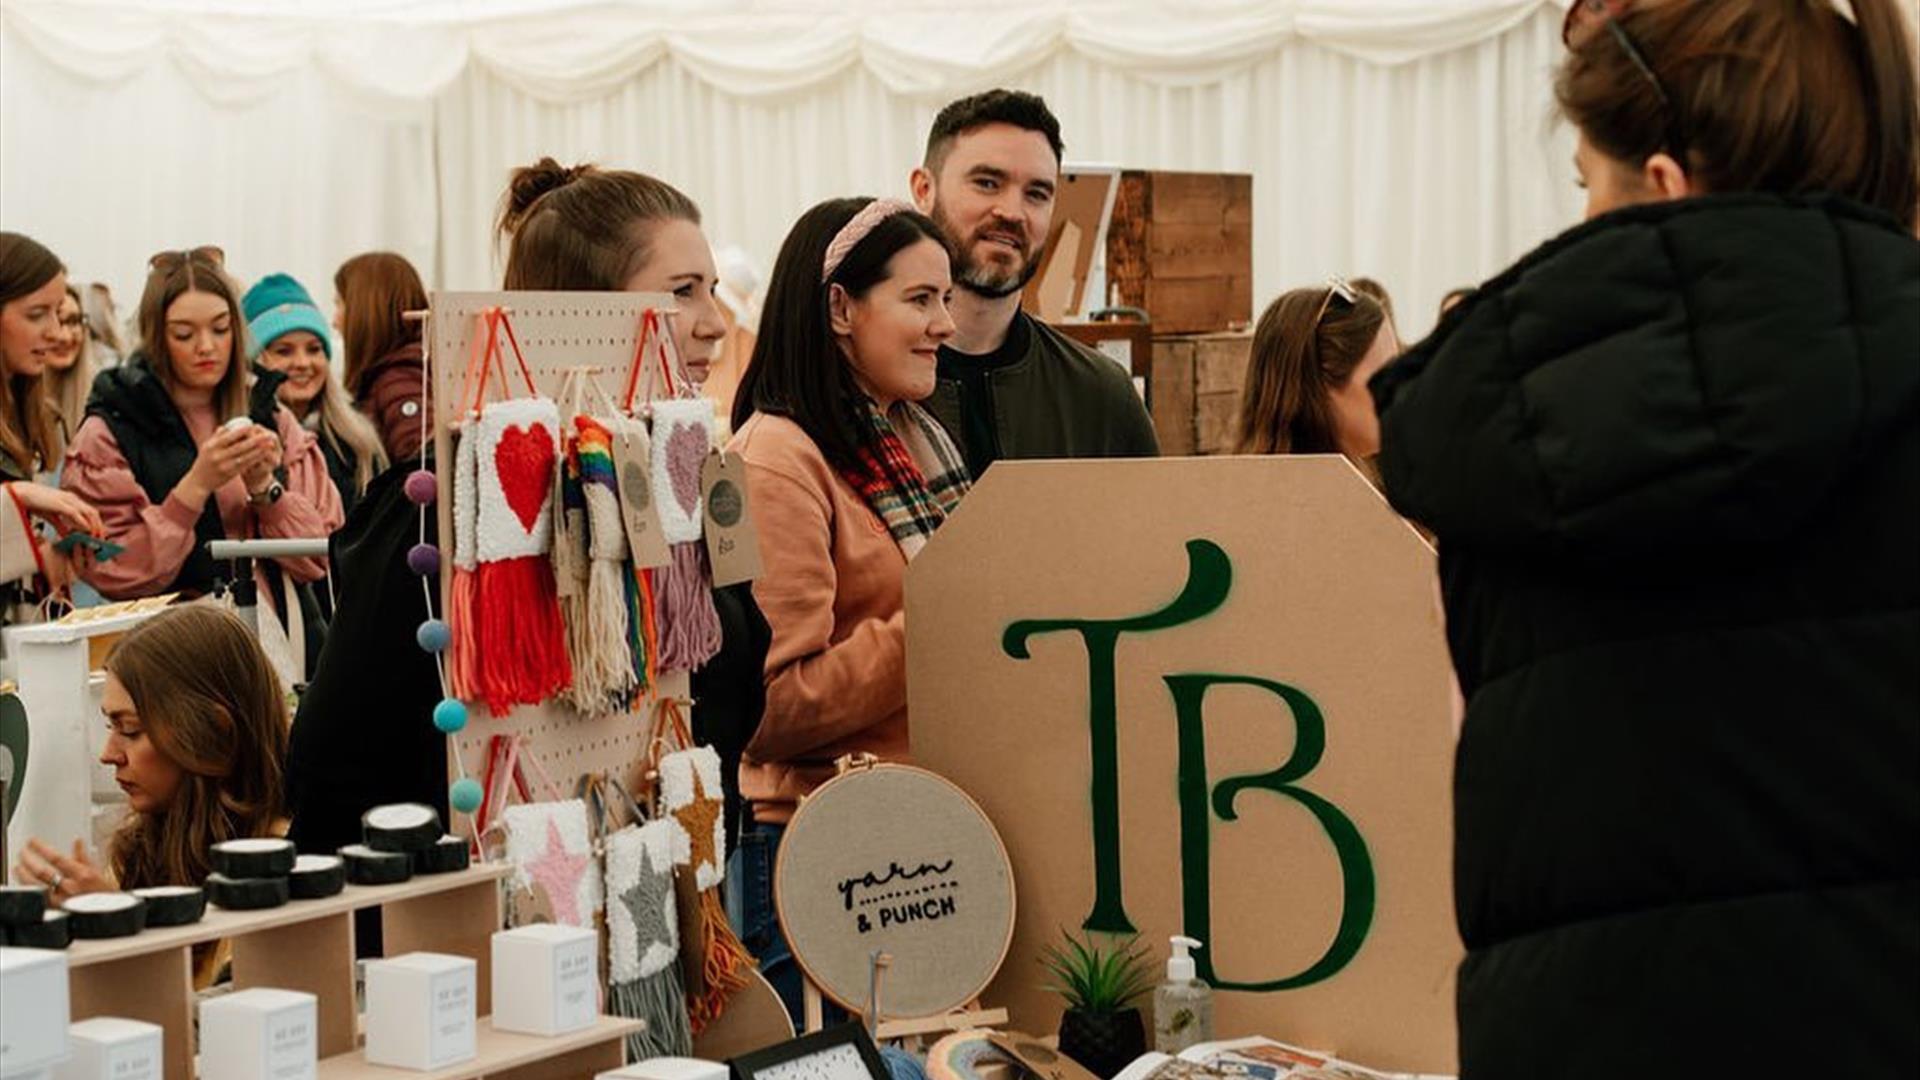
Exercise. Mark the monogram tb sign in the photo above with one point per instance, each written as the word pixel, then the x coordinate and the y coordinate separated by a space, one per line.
pixel 1210 697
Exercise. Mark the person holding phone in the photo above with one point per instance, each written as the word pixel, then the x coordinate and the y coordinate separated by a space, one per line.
pixel 177 449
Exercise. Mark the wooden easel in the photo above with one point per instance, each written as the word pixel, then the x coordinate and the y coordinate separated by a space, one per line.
pixel 971 1015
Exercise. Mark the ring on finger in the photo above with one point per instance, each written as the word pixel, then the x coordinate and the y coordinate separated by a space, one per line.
pixel 54 882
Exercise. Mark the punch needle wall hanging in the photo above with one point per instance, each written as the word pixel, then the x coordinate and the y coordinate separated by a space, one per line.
pixel 682 436
pixel 644 940
pixel 520 653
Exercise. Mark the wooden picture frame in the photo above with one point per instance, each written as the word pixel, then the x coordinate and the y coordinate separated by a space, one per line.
pixel 842 1052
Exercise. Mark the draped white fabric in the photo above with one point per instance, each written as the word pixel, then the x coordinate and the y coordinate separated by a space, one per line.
pixel 1408 139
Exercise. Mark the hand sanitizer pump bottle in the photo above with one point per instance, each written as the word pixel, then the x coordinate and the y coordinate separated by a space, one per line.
pixel 1183 1005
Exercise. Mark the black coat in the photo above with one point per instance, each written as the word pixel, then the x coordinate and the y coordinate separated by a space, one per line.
pixel 1673 462
pixel 134 404
pixel 364 734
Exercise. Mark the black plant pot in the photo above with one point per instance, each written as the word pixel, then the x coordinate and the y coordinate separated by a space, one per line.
pixel 1105 1042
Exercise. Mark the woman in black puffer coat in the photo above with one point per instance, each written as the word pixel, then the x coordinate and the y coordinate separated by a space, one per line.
pixel 1673 462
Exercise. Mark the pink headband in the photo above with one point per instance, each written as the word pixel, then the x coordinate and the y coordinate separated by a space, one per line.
pixel 856 230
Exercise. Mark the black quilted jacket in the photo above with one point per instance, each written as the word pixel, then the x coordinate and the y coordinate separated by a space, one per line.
pixel 1673 462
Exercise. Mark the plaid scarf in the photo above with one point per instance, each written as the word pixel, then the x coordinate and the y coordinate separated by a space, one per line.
pixel 912 476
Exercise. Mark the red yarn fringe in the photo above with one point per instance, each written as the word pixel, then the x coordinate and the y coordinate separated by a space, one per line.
pixel 522 653
pixel 462 654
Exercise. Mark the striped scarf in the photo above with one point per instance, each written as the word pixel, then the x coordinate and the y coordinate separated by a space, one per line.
pixel 912 476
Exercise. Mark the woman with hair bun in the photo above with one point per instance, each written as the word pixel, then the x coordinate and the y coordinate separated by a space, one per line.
pixel 611 230
pixel 1671 458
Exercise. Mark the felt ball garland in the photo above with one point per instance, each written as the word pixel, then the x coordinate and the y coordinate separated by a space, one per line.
pixel 434 635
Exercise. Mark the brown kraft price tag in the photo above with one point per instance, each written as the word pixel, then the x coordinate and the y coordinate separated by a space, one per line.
pixel 632 464
pixel 732 546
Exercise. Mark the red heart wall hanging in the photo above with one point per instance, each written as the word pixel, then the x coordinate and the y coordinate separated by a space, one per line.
pixel 523 458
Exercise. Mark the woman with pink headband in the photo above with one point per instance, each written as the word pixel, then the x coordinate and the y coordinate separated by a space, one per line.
pixel 847 477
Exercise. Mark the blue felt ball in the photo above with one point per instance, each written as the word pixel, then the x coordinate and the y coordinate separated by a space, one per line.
pixel 449 716
pixel 421 487
pixel 434 636
pixel 423 559
pixel 465 795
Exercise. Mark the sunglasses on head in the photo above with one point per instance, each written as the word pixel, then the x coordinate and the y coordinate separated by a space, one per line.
pixel 167 262
pixel 1587 19
pixel 1340 287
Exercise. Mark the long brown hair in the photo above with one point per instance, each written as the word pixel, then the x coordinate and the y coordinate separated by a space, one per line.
pixel 376 289
pixel 173 275
pixel 1781 96
pixel 211 703
pixel 582 227
pixel 27 430
pixel 1305 347
pixel 67 390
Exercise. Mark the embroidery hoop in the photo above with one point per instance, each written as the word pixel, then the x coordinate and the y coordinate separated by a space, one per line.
pixel 852 825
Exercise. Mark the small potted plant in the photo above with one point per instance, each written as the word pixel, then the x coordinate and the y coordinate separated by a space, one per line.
pixel 1100 1029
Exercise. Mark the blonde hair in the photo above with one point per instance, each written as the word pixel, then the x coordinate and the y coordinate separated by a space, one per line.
pixel 341 424
pixel 67 390
pixel 211 703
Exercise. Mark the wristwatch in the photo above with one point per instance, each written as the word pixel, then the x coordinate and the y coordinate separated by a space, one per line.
pixel 268 495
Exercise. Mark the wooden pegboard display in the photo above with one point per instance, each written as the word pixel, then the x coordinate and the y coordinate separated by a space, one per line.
pixel 557 331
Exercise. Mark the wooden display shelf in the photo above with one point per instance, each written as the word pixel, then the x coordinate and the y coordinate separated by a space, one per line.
pixel 308 945
pixel 220 923
pixel 505 1054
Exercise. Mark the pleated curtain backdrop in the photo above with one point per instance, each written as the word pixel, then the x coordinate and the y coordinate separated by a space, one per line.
pixel 1410 141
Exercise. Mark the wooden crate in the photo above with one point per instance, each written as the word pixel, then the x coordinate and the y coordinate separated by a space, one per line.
pixel 1180 246
pixel 308 945
pixel 1130 344
pixel 1196 385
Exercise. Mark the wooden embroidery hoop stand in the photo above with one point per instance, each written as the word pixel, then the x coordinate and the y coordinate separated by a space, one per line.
pixel 968 1014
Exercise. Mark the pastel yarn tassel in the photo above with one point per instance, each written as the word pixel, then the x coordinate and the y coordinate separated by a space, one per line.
pixel 689 626
pixel 604 678
pixel 688 621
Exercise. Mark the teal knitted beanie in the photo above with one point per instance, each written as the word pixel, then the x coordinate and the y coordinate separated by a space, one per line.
pixel 277 306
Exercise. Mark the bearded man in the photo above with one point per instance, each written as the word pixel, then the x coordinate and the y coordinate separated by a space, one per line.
pixel 1011 386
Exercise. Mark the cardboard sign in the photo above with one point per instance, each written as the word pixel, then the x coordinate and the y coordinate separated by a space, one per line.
pixel 1211 697
pixel 733 548
pixel 632 463
pixel 894 859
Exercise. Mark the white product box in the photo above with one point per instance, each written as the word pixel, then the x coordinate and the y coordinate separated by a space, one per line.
pixel 546 979
pixel 669 1068
pixel 33 1024
pixel 109 1048
pixel 420 1011
pixel 259 1035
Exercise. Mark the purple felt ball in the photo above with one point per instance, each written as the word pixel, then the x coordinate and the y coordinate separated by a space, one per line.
pixel 421 487
pixel 423 559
